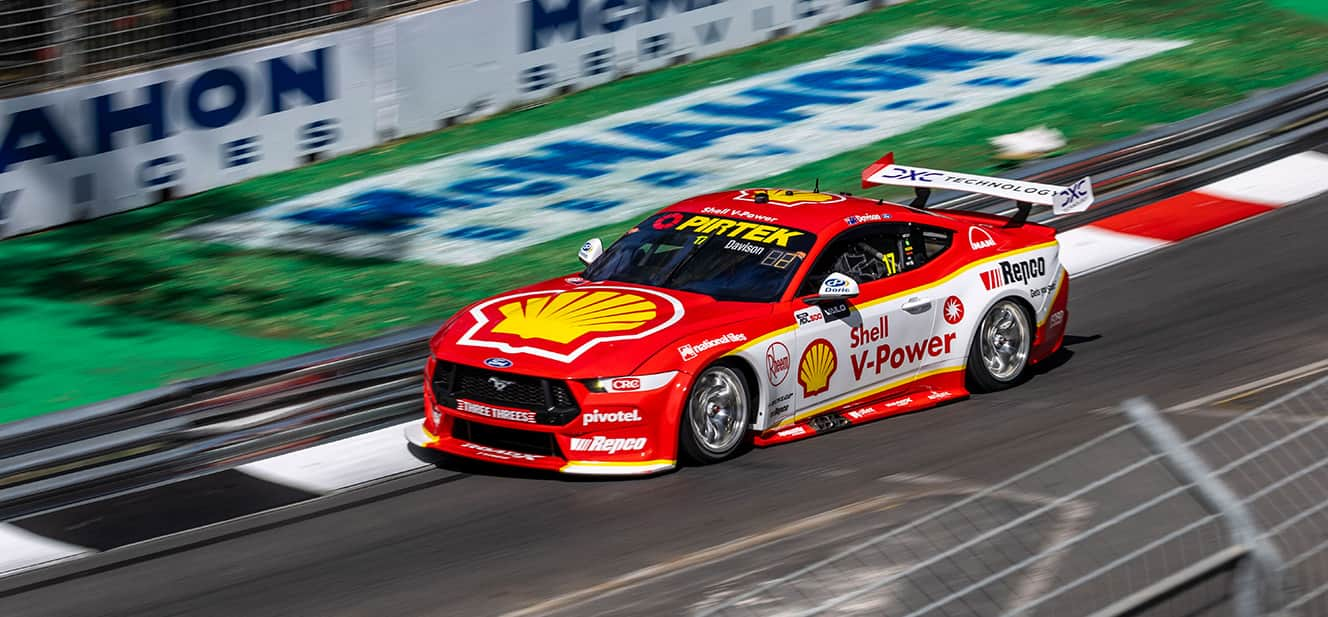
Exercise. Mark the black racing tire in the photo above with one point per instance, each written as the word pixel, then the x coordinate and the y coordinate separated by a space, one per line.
pixel 714 421
pixel 998 357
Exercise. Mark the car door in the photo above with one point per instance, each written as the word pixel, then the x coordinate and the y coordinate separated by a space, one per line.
pixel 863 347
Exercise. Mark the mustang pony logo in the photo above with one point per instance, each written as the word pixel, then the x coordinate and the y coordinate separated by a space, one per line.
pixel 561 325
pixel 817 365
pixel 785 197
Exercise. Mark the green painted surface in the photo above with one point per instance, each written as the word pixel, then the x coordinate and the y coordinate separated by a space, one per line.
pixel 130 267
pixel 60 354
pixel 1314 8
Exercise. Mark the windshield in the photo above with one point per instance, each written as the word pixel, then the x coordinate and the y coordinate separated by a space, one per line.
pixel 727 259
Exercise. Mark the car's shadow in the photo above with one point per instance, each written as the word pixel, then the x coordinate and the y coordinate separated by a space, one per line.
pixel 1063 355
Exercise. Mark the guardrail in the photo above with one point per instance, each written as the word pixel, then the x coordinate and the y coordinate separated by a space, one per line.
pixel 199 426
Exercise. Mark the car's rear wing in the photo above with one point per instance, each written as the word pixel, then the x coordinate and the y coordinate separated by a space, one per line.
pixel 1062 199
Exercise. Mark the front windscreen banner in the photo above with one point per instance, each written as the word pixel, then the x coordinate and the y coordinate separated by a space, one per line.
pixel 725 258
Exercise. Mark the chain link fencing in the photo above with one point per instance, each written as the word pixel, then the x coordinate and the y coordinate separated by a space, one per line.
pixel 30 32
pixel 1228 516
pixel 49 43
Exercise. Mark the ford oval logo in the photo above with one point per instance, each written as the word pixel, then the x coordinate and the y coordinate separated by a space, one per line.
pixel 498 362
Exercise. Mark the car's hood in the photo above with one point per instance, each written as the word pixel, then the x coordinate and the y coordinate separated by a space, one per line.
pixel 568 328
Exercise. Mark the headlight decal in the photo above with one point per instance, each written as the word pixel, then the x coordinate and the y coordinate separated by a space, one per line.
pixel 633 383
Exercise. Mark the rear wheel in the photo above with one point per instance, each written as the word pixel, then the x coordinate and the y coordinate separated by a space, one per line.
pixel 714 423
pixel 998 357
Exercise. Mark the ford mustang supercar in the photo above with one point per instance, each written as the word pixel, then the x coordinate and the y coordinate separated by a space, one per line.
pixel 753 316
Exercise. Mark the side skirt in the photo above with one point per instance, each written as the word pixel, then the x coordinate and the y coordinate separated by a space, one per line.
pixel 916 396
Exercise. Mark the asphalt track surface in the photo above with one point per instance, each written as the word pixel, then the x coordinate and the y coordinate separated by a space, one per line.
pixel 1219 310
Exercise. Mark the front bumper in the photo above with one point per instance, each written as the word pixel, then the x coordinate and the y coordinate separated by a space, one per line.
pixel 613 434
pixel 417 434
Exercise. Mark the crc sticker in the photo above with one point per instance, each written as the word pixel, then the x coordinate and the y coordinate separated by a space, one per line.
pixel 625 384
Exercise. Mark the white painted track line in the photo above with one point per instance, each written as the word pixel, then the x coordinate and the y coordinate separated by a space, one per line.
pixel 340 464
pixel 1084 249
pixel 24 549
pixel 1284 181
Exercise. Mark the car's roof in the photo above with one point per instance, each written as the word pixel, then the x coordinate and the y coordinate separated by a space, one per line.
pixel 807 210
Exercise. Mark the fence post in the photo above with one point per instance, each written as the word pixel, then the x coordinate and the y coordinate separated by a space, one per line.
pixel 1257 586
pixel 374 8
pixel 66 39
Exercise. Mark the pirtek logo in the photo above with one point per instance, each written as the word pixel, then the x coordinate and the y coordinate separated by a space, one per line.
pixel 1014 272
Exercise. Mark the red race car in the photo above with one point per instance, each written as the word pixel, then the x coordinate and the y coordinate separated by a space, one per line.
pixel 753 316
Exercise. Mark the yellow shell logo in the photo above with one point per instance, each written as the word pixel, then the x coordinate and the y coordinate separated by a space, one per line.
pixel 817 365
pixel 785 197
pixel 564 317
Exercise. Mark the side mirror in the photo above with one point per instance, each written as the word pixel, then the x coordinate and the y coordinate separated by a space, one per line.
pixel 590 251
pixel 835 287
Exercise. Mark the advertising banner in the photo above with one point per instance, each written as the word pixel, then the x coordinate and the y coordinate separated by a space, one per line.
pixel 85 151
pixel 472 59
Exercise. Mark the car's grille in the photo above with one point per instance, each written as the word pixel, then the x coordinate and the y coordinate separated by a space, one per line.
pixel 550 399
pixel 492 387
pixel 527 442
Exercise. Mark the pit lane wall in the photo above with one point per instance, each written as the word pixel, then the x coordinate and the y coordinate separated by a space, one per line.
pixel 99 148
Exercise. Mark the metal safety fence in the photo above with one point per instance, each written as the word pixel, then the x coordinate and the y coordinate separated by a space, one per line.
pixel 49 43
pixel 1227 517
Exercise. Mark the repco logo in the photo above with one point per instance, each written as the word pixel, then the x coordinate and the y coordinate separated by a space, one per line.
pixel 608 445
pixel 1023 271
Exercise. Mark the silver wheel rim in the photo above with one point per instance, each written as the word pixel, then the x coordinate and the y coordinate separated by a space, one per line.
pixel 717 409
pixel 1005 341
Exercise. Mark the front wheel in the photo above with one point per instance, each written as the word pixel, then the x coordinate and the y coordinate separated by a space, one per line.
pixel 998 357
pixel 715 420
